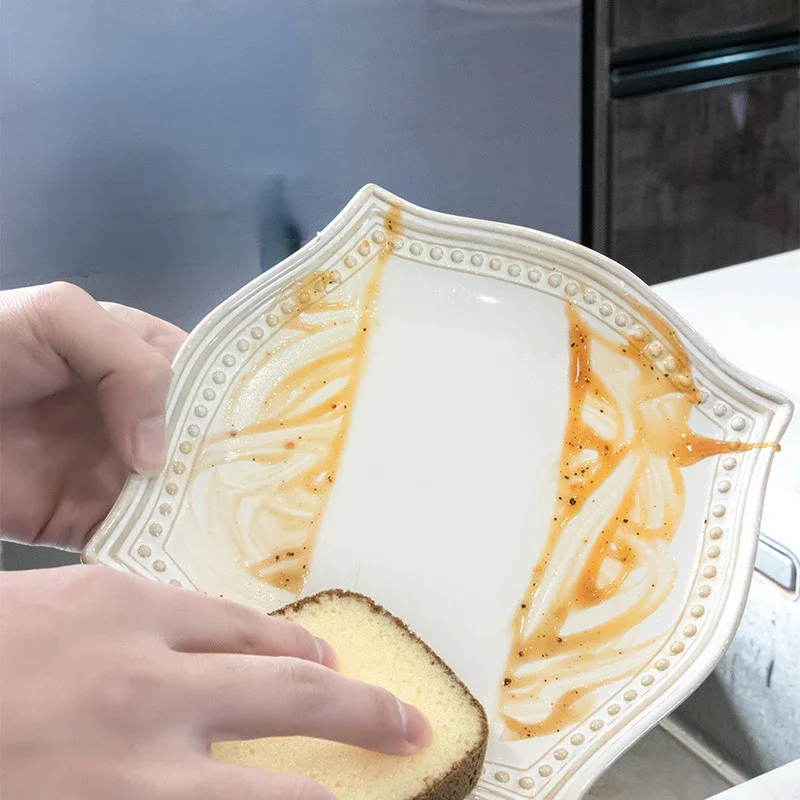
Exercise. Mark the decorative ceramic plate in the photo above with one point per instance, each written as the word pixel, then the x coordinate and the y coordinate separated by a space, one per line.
pixel 506 439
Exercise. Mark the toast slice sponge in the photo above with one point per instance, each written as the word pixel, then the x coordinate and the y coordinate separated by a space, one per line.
pixel 376 647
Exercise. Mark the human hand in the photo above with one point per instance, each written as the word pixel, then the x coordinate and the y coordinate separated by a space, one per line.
pixel 83 387
pixel 115 687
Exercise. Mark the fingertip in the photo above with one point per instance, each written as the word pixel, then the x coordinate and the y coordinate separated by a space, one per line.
pixel 419 733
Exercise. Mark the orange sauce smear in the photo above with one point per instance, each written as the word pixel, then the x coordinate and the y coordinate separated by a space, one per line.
pixel 310 410
pixel 647 424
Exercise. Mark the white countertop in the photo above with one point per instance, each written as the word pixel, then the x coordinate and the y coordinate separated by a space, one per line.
pixel 780 784
pixel 751 314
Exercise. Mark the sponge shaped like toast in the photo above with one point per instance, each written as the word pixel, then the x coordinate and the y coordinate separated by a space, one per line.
pixel 376 647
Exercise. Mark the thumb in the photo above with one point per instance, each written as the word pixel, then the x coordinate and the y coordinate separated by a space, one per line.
pixel 131 376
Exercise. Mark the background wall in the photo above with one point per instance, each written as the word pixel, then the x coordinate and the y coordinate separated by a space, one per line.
pixel 161 154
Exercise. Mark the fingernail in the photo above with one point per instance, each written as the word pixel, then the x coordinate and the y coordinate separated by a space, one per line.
pixel 148 446
pixel 327 655
pixel 417 728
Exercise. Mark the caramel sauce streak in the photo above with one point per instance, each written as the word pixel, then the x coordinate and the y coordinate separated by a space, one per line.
pixel 295 442
pixel 626 418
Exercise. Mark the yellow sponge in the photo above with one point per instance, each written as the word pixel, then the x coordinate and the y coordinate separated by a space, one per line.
pixel 376 647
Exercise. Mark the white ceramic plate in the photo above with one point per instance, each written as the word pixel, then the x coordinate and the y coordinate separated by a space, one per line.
pixel 491 431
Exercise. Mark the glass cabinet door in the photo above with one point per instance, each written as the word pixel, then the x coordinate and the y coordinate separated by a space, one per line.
pixel 648 23
pixel 705 176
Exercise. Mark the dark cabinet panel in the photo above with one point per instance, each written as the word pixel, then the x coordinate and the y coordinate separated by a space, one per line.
pixel 645 23
pixel 705 178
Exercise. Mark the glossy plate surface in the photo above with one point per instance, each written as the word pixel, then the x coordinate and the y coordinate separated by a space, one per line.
pixel 504 438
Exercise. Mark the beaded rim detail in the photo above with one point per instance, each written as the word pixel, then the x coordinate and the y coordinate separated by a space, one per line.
pixel 565 275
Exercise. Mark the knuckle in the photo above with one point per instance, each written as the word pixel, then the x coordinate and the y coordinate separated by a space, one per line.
pixel 150 371
pixel 51 298
pixel 60 293
pixel 92 592
pixel 130 684
pixel 385 714
pixel 101 583
pixel 255 633
pixel 103 576
pixel 248 637
pixel 155 367
pixel 117 310
pixel 247 641
pixel 298 640
pixel 310 687
pixel 89 583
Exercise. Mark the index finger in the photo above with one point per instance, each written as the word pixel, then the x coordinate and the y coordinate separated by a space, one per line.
pixel 197 623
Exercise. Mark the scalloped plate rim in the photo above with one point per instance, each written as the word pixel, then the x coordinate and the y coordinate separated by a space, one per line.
pixel 620 282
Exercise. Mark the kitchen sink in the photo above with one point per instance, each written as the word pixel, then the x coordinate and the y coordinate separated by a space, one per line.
pixel 664 766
